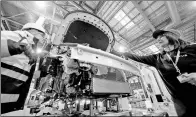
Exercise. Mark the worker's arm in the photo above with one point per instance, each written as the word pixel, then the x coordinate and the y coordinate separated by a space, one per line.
pixel 149 60
pixel 10 48
pixel 10 42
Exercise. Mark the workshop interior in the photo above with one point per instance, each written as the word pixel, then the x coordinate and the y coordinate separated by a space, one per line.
pixel 79 75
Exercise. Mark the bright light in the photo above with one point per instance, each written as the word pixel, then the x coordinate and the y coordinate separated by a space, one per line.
pixel 87 101
pixel 194 3
pixel 82 102
pixel 41 4
pixel 39 50
pixel 121 49
pixel 77 101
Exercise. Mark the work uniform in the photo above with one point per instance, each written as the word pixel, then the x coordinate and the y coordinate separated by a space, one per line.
pixel 185 92
pixel 16 73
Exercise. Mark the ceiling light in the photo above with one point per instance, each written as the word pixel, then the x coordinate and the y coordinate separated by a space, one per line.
pixel 194 3
pixel 41 4
pixel 121 49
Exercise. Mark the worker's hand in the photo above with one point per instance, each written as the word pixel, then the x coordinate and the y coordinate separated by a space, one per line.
pixel 192 78
pixel 30 53
pixel 33 54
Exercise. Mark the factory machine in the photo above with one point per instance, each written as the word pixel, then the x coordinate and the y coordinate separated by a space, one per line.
pixel 80 67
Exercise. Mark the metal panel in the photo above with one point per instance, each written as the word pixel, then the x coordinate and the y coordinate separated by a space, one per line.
pixel 102 58
pixel 111 87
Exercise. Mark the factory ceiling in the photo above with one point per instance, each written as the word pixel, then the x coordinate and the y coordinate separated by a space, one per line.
pixel 131 21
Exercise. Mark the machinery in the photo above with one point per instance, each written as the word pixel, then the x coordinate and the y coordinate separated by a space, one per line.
pixel 79 65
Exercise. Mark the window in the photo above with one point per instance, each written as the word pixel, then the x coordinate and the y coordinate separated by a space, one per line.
pixel 119 15
pixel 125 20
pixel 131 24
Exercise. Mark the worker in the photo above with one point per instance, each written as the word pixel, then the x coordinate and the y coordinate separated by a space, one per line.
pixel 17 64
pixel 178 59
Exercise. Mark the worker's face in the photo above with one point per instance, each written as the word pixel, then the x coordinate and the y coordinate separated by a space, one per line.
pixel 37 34
pixel 39 37
pixel 163 41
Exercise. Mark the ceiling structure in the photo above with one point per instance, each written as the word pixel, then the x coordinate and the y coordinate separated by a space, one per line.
pixel 131 21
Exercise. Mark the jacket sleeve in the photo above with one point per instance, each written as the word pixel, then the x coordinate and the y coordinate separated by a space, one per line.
pixel 149 60
pixel 9 47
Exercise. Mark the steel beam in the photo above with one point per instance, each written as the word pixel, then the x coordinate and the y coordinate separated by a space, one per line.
pixel 122 5
pixel 99 6
pixel 140 38
pixel 2 13
pixel 79 7
pixel 108 7
pixel 173 13
pixel 139 22
pixel 144 15
pixel 4 18
pixel 17 14
pixel 87 6
pixel 176 26
pixel 131 20
pixel 2 26
pixel 59 7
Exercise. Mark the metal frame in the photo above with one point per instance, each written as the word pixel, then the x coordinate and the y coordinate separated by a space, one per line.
pixel 103 16
pixel 81 8
pixel 173 12
pixel 88 18
pixel 4 18
pixel 2 13
pixel 131 19
pixel 122 5
pixel 144 15
pixel 176 26
pixel 17 14
pixel 88 54
pixel 139 38
pixel 134 17
pixel 83 3
pixel 99 6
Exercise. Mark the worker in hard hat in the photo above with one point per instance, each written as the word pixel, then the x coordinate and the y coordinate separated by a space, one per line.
pixel 17 64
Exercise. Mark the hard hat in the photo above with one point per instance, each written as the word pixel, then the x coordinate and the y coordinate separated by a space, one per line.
pixel 33 26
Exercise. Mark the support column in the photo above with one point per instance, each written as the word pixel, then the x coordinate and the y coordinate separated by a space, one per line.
pixel 118 105
pixel 96 104
pixel 91 107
